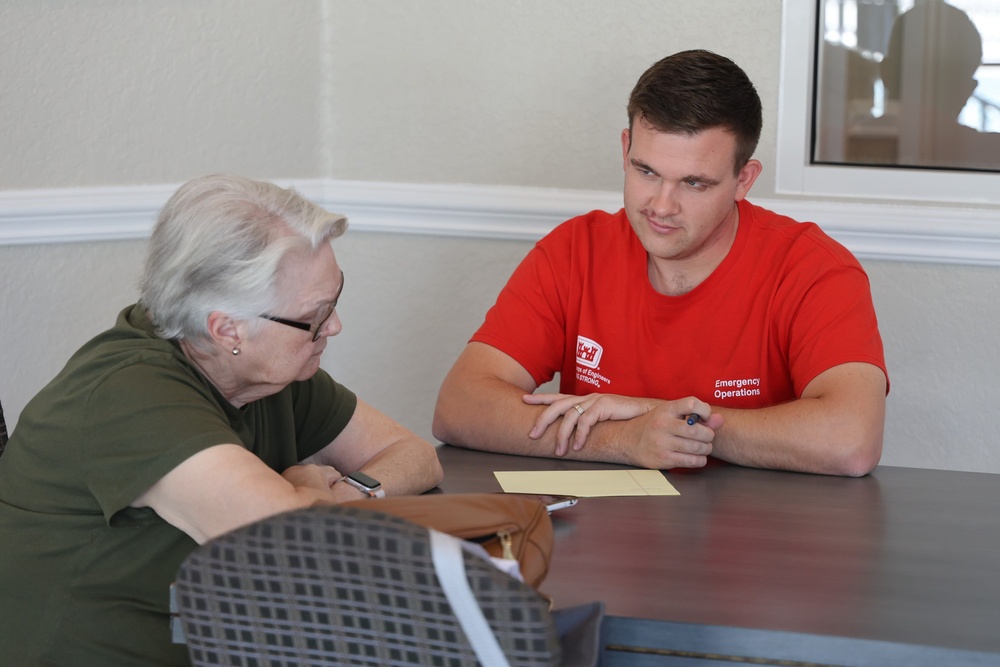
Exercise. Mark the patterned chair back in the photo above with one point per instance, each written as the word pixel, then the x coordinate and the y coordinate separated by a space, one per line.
pixel 346 586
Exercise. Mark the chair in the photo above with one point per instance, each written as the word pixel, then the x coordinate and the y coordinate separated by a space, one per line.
pixel 3 431
pixel 349 586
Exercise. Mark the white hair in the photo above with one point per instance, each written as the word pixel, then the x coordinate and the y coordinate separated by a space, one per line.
pixel 217 246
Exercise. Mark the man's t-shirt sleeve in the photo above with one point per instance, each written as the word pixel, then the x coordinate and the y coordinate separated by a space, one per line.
pixel 834 324
pixel 528 320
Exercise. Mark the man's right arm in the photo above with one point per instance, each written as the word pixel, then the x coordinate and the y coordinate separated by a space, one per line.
pixel 481 406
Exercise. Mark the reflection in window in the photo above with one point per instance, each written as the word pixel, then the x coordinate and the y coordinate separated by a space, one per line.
pixel 911 83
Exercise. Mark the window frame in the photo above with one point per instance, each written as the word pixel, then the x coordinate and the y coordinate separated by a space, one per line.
pixel 794 172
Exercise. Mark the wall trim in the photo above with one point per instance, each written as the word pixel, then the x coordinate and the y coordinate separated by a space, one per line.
pixel 939 234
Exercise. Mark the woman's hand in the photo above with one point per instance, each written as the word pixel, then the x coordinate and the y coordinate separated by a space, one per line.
pixel 323 478
pixel 313 476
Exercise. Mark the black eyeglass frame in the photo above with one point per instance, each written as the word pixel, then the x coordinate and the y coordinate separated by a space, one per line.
pixel 321 317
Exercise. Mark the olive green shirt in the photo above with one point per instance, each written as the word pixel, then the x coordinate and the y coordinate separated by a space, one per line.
pixel 84 578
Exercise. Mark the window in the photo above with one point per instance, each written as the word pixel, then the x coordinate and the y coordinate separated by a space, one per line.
pixel 879 107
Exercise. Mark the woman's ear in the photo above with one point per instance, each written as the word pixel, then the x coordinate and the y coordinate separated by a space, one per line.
pixel 224 330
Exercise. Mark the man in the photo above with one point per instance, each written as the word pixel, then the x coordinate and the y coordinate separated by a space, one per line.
pixel 689 324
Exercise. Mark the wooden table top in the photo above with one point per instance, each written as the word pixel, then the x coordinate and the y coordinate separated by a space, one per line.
pixel 901 555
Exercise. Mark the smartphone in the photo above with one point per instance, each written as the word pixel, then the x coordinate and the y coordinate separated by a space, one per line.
pixel 553 503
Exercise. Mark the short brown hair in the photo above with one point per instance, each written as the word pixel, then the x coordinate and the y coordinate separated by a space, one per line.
pixel 692 91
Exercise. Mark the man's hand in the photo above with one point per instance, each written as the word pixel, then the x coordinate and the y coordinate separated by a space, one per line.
pixel 834 428
pixel 657 434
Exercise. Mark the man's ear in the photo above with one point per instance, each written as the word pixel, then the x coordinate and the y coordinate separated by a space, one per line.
pixel 745 179
pixel 626 144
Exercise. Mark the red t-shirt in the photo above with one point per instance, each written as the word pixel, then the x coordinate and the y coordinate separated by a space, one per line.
pixel 787 303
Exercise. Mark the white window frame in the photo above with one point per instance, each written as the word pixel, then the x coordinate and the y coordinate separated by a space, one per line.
pixel 795 175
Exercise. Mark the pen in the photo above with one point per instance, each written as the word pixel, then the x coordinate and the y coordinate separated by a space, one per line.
pixel 693 418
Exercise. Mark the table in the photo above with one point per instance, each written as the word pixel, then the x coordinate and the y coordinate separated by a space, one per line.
pixel 778 568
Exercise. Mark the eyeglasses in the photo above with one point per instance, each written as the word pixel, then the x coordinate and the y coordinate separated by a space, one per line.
pixel 322 315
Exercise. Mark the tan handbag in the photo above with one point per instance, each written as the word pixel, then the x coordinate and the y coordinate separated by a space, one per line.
pixel 507 526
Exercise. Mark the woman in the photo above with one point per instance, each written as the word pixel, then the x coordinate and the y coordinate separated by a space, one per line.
pixel 204 408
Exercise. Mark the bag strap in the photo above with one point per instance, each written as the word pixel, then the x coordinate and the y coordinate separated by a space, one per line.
pixel 446 553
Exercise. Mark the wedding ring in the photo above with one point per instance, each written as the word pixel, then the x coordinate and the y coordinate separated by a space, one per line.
pixel 578 408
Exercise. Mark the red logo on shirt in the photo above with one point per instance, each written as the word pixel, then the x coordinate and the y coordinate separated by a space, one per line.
pixel 588 352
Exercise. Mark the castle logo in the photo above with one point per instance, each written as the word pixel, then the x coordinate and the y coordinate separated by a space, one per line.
pixel 588 352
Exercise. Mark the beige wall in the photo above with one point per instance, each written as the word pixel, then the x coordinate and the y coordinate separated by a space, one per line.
pixel 442 91
pixel 530 92
pixel 110 92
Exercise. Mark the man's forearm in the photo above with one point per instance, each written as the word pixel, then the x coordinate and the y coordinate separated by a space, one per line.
pixel 803 435
pixel 835 428
pixel 490 415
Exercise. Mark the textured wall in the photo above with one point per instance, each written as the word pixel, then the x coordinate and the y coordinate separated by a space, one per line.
pixel 120 92
pixel 53 298
pixel 526 92
pixel 939 325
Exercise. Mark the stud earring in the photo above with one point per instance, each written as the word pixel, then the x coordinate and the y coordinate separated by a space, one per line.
pixel 236 351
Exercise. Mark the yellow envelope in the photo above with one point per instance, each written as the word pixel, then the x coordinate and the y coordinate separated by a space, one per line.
pixel 586 483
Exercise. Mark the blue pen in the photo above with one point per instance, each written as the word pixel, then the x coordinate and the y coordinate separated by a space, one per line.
pixel 693 418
